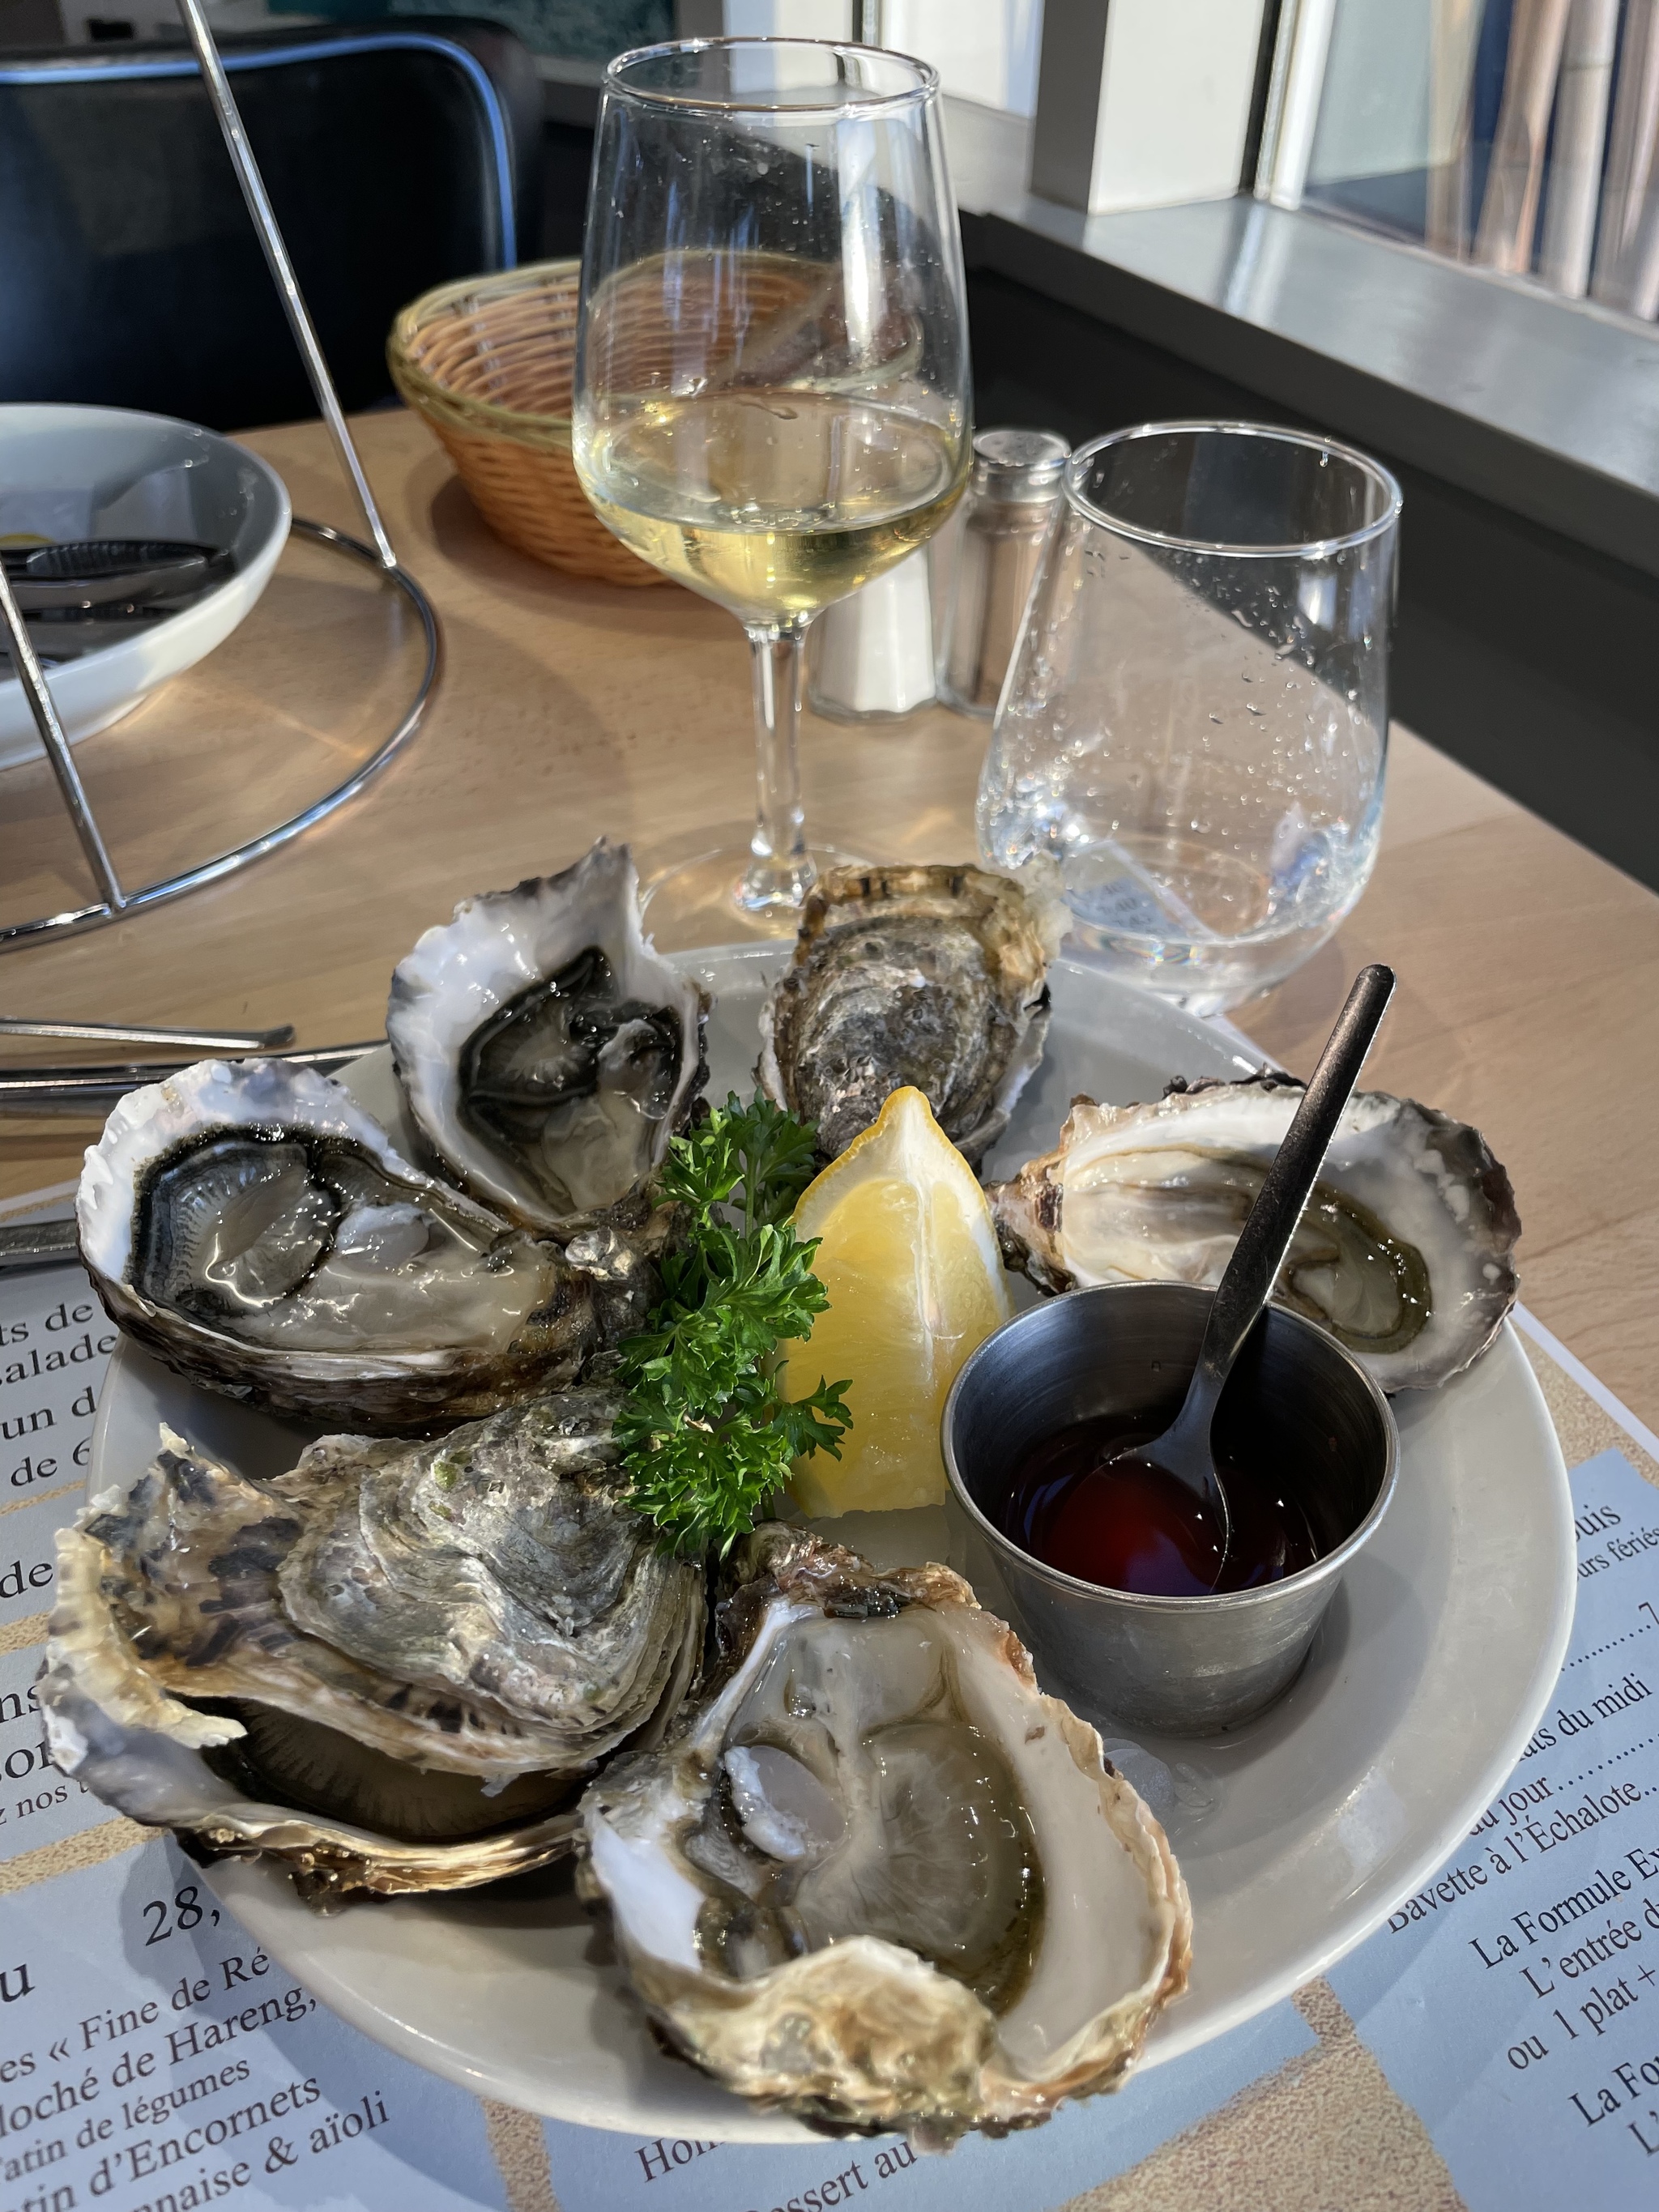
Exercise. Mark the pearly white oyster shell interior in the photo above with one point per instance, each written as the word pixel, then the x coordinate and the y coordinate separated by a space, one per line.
pixel 548 1052
pixel 879 1880
pixel 1405 1250
pixel 249 1223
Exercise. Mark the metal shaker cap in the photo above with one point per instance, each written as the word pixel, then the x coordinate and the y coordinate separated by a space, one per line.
pixel 1018 466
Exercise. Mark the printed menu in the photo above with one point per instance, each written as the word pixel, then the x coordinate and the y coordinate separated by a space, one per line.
pixel 1499 2039
pixel 1515 1999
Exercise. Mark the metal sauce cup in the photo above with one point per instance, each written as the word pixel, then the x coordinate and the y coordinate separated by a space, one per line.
pixel 1179 1665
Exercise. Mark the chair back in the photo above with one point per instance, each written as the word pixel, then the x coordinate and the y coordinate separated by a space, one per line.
pixel 397 154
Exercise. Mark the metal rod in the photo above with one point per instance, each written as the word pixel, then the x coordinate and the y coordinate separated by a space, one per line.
pixel 238 1041
pixel 15 936
pixel 281 269
pixel 32 675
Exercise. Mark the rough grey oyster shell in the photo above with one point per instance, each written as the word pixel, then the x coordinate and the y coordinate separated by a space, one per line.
pixel 547 1052
pixel 392 1667
pixel 249 1224
pixel 934 976
pixel 876 1878
pixel 1405 1251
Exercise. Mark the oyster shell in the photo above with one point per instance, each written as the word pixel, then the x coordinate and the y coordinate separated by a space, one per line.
pixel 249 1224
pixel 392 1667
pixel 547 1052
pixel 934 976
pixel 1405 1251
pixel 877 1879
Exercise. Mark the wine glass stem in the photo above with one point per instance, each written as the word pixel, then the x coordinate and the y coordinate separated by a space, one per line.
pixel 780 873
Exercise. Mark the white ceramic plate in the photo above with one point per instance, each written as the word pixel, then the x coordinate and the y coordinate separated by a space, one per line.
pixel 68 473
pixel 1297 1835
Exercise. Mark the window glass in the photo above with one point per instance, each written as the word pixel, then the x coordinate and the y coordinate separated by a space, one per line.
pixel 983 49
pixel 1520 134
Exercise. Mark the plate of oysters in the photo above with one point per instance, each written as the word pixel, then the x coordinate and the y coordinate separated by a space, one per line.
pixel 584 1544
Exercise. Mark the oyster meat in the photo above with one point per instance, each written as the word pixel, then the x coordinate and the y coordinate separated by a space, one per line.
pixel 1405 1251
pixel 251 1225
pixel 547 1052
pixel 876 1878
pixel 392 1667
pixel 934 976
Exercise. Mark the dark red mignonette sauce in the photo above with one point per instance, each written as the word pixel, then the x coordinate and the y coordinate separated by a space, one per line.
pixel 1131 1528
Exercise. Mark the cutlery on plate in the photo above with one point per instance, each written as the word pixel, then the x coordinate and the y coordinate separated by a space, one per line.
pixel 101 570
pixel 35 1244
pixel 236 1040
pixel 95 1090
pixel 1182 1454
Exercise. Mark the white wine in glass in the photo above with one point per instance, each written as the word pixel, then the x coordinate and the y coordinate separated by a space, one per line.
pixel 772 390
pixel 846 488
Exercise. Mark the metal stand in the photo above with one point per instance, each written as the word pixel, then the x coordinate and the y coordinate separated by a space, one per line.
pixel 115 901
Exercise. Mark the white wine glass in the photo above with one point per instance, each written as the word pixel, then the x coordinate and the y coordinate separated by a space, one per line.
pixel 771 400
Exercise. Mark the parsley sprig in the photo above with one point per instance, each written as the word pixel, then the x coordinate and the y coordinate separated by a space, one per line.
pixel 706 1437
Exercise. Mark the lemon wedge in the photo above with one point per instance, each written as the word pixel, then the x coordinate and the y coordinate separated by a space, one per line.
pixel 909 1257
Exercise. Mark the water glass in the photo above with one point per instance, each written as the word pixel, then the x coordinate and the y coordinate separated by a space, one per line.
pixel 1195 723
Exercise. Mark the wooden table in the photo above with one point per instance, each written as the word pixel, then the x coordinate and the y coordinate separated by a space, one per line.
pixel 1529 969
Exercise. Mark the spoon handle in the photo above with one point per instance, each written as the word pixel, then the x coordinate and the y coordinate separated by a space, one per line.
pixel 1266 1238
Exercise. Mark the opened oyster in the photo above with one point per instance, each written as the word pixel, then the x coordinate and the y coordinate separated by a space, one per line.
pixel 547 1053
pixel 1405 1251
pixel 251 1225
pixel 879 1880
pixel 391 1667
pixel 934 976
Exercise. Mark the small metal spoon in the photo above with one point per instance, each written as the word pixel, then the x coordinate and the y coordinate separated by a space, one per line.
pixel 1183 1453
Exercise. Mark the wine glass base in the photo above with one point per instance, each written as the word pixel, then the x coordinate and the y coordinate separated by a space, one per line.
pixel 708 900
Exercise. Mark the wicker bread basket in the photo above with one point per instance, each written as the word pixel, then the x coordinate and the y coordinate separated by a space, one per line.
pixel 489 361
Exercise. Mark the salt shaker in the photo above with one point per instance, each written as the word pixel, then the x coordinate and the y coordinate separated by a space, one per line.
pixel 1010 504
pixel 870 657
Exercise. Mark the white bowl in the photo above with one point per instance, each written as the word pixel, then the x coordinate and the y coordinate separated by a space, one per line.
pixel 68 473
